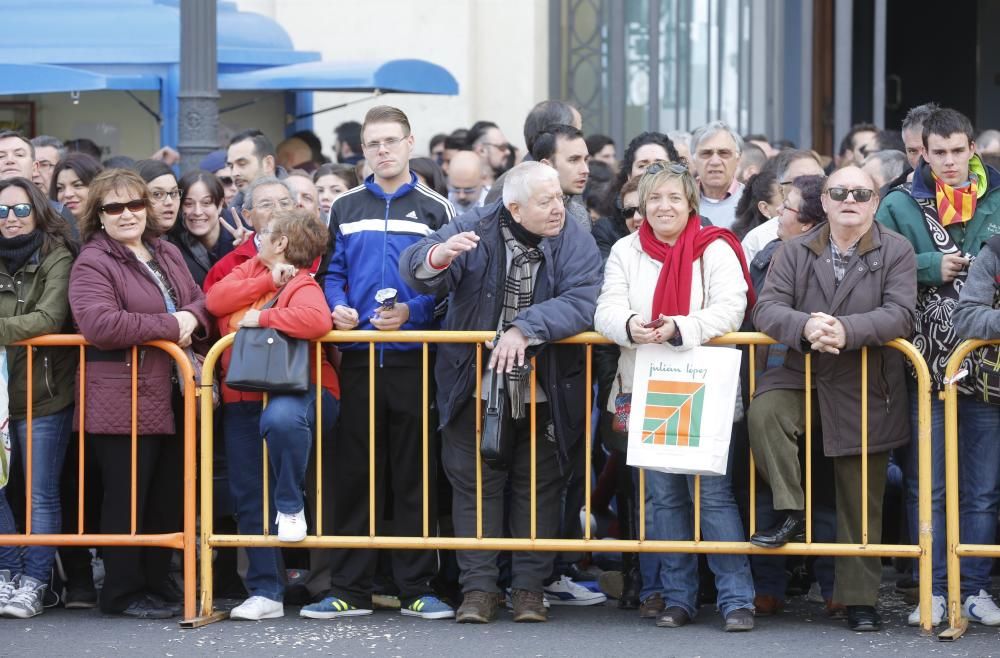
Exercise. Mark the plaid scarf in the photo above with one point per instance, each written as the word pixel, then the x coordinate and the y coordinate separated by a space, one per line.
pixel 517 293
pixel 954 204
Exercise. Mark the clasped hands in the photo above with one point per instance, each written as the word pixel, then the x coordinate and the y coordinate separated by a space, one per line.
pixel 825 333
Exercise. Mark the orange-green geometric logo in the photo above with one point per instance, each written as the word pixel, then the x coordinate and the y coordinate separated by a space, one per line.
pixel 673 413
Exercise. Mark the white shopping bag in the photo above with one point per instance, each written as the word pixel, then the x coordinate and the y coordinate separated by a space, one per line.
pixel 682 409
pixel 4 422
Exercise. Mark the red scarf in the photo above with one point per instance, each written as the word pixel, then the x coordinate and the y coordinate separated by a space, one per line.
pixel 673 289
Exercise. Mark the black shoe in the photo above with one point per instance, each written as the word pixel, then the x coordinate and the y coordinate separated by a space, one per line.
pixel 632 585
pixel 791 529
pixel 739 620
pixel 80 595
pixel 863 618
pixel 147 608
pixel 175 608
pixel 673 617
pixel 169 591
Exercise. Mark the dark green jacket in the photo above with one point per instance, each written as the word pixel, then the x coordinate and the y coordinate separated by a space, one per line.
pixel 34 301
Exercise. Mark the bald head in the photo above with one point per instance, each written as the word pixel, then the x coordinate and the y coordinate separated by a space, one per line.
pixel 293 152
pixel 465 180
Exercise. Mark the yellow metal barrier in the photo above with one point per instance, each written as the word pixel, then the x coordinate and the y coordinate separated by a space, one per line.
pixel 185 540
pixel 210 540
pixel 957 623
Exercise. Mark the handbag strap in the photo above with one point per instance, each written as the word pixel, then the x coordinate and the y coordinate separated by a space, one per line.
pixel 273 299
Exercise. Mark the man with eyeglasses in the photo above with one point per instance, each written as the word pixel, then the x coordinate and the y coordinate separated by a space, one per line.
pixel 465 181
pixel 847 284
pixel 370 226
pixel 489 142
pixel 261 198
pixel 715 151
pixel 48 152
pixel 947 212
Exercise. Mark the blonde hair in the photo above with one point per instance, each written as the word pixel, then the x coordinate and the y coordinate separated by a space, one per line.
pixel 653 181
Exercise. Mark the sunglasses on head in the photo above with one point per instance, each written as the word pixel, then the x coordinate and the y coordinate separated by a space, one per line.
pixel 860 194
pixel 114 209
pixel 21 210
pixel 662 165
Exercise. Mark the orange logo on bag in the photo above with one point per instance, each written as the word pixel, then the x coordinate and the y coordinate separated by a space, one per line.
pixel 673 413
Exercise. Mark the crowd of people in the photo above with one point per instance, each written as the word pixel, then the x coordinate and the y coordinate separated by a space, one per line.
pixel 687 237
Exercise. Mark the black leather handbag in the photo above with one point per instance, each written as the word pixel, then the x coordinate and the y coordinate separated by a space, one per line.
pixel 265 360
pixel 497 444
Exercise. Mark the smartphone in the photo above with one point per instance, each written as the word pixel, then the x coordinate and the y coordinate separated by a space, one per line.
pixel 655 324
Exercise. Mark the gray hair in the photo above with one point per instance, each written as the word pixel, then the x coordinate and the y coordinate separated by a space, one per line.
pixel 680 137
pixel 262 182
pixel 48 140
pixel 987 137
pixel 916 116
pixel 892 163
pixel 704 132
pixel 520 181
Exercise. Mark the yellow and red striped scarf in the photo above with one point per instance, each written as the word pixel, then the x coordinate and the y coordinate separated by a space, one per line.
pixel 955 205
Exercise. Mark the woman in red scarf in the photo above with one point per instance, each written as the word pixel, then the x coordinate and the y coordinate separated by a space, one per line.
pixel 695 280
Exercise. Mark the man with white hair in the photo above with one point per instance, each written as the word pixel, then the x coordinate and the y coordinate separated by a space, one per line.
pixel 715 154
pixel 520 269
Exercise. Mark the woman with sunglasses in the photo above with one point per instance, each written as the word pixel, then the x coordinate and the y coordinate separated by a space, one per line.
pixel 680 284
pixel 129 287
pixel 71 181
pixel 199 234
pixel 163 191
pixel 36 253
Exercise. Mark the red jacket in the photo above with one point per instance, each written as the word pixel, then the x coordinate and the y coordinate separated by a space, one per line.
pixel 300 312
pixel 116 304
pixel 234 259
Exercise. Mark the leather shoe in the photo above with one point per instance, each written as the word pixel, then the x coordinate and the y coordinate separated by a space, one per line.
pixel 673 617
pixel 766 605
pixel 863 618
pixel 791 529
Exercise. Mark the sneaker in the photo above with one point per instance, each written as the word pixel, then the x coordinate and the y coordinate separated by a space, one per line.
pixel 428 607
pixel 528 606
pixel 8 585
pixel 815 594
pixel 332 607
pixel 147 608
pixel 292 527
pixel 509 600
pixel 652 607
pixel 938 611
pixel 256 608
pixel 26 601
pixel 566 592
pixel 478 607
pixel 981 608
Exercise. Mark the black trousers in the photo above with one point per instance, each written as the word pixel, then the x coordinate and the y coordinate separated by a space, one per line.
pixel 132 572
pixel 398 447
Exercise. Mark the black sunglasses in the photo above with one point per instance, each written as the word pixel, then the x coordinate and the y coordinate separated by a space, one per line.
pixel 629 212
pixel 227 180
pixel 21 210
pixel 115 209
pixel 860 194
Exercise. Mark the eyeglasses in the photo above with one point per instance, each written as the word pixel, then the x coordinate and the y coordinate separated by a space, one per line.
pixel 284 204
pixel 663 165
pixel 629 212
pixel 226 180
pixel 115 209
pixel 21 210
pixel 860 194
pixel 45 164
pixel 467 191
pixel 388 143
pixel 160 195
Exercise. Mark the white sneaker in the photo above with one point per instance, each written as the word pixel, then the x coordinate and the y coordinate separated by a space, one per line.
pixel 8 585
pixel 815 594
pixel 292 527
pixel 981 608
pixel 566 592
pixel 256 608
pixel 26 600
pixel 937 612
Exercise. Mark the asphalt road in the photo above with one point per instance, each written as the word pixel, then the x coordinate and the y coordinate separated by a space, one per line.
pixel 802 630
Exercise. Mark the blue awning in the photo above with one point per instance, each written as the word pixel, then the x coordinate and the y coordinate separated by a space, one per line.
pixel 49 78
pixel 411 76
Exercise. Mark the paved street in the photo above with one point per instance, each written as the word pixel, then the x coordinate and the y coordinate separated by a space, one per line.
pixel 803 630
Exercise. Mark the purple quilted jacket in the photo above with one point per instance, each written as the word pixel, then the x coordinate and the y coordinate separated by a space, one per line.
pixel 116 304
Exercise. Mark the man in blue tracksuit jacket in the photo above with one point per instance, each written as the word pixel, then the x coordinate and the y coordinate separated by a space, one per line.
pixel 371 225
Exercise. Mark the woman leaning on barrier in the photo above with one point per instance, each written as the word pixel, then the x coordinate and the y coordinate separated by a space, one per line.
pixel 291 242
pixel 129 287
pixel 36 253
pixel 695 279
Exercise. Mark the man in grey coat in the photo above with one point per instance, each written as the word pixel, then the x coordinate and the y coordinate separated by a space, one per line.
pixel 522 270
pixel 847 284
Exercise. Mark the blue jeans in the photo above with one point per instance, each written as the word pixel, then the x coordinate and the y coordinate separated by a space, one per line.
pixel 978 485
pixel 670 513
pixel 288 425
pixel 49 438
